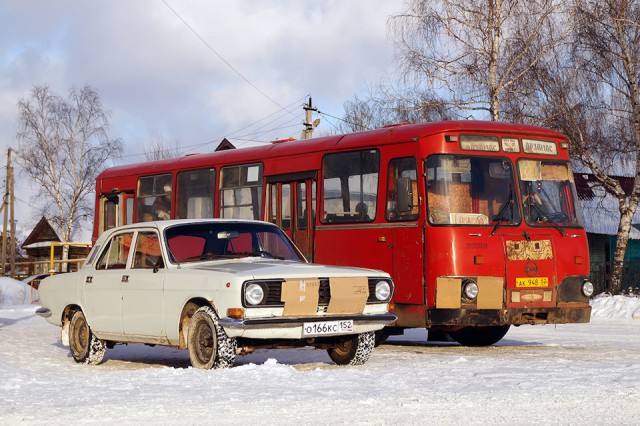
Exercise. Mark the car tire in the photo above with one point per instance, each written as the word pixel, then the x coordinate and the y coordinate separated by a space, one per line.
pixel 208 344
pixel 479 336
pixel 85 347
pixel 355 351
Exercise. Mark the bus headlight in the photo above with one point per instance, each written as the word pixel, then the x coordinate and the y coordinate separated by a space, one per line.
pixel 587 288
pixel 383 290
pixel 469 289
pixel 253 294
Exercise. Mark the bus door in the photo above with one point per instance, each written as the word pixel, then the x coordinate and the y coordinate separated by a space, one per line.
pixel 116 209
pixel 403 217
pixel 291 205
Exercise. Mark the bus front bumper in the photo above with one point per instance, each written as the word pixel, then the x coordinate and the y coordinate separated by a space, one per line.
pixel 484 317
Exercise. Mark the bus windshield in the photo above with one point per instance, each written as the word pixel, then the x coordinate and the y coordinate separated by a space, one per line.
pixel 471 190
pixel 548 193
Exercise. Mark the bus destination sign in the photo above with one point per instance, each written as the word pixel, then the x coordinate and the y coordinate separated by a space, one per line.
pixel 534 146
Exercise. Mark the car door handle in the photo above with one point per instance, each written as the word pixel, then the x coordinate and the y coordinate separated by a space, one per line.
pixel 88 280
pixel 125 278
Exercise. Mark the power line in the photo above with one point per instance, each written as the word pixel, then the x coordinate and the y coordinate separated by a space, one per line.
pixel 219 55
pixel 342 119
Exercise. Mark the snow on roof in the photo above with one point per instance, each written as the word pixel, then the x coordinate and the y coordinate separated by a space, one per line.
pixel 601 214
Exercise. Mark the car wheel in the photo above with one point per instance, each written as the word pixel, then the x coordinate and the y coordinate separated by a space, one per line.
pixel 85 347
pixel 479 336
pixel 355 351
pixel 208 344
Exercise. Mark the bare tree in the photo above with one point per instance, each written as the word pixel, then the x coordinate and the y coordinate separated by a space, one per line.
pixel 590 90
pixel 475 52
pixel 390 106
pixel 159 150
pixel 63 145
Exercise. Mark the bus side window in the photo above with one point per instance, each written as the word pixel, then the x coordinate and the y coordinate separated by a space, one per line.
pixel 241 192
pixel 154 198
pixel 195 192
pixel 350 187
pixel 402 190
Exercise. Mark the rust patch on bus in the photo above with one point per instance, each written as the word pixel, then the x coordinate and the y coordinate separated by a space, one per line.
pixel 529 250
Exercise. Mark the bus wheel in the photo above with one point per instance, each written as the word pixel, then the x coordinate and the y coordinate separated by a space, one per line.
pixel 355 351
pixel 382 336
pixel 479 336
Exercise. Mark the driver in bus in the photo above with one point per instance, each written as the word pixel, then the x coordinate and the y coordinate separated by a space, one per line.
pixel 533 206
pixel 161 207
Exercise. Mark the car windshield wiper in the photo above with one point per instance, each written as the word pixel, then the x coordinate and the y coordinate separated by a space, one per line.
pixel 501 213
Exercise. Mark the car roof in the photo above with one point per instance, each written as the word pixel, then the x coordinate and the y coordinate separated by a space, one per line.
pixel 161 225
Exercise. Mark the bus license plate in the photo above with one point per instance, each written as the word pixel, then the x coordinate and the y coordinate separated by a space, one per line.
pixel 532 282
pixel 327 327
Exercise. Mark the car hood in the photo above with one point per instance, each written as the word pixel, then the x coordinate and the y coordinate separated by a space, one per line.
pixel 259 269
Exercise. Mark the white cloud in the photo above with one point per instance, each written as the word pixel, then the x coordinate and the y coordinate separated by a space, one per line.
pixel 159 80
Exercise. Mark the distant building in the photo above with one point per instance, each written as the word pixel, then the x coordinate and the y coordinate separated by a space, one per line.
pixel 602 217
pixel 38 249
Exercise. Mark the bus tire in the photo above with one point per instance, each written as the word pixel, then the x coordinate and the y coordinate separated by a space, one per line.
pixel 479 336
pixel 381 336
pixel 355 351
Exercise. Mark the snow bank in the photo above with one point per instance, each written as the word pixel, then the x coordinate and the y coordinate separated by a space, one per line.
pixel 14 292
pixel 615 307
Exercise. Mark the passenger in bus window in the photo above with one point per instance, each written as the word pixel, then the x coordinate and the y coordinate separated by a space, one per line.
pixel 161 207
pixel 362 212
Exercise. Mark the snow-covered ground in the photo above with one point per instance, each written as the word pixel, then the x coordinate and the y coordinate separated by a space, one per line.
pixel 570 374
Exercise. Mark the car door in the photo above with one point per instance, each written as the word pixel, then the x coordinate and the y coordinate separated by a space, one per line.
pixel 143 288
pixel 101 287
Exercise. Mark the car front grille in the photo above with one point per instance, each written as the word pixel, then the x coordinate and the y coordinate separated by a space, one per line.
pixel 273 291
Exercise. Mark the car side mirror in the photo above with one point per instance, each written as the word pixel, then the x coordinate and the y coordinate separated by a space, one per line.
pixel 405 194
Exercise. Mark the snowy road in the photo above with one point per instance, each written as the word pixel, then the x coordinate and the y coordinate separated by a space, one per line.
pixel 572 374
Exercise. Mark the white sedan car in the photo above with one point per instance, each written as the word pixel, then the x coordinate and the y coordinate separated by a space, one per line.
pixel 217 288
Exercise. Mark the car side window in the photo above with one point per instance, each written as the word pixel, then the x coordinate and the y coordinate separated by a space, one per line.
pixel 147 254
pixel 117 251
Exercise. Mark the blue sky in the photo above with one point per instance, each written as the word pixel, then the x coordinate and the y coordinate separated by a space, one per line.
pixel 161 82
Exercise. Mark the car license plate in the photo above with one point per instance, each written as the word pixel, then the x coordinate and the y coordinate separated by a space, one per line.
pixel 327 327
pixel 532 282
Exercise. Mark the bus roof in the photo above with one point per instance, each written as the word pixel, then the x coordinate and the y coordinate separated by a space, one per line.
pixel 382 136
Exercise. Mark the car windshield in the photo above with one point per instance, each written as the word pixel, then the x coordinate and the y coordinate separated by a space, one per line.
pixel 227 240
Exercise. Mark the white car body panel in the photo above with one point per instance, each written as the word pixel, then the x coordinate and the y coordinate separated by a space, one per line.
pixel 140 305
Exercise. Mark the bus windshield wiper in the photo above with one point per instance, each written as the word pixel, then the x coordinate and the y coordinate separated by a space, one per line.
pixel 545 219
pixel 501 213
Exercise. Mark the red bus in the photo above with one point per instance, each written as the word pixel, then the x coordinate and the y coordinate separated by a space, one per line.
pixel 477 222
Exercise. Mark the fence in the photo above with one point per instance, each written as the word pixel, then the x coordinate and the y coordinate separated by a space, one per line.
pixel 630 277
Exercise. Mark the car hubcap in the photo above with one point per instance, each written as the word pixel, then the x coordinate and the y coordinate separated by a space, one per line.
pixel 205 343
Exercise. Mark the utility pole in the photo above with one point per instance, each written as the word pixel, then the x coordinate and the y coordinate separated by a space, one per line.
pixel 5 202
pixel 12 241
pixel 309 125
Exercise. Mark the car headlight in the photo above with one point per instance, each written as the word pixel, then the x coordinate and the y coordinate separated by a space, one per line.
pixel 587 288
pixel 383 290
pixel 253 294
pixel 470 290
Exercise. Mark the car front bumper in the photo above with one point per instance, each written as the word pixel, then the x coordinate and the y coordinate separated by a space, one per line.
pixel 43 312
pixel 291 327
